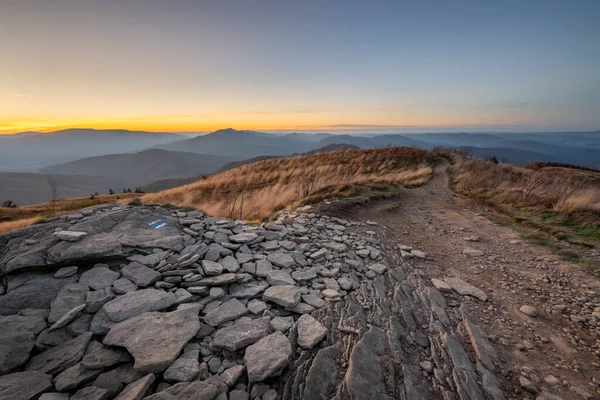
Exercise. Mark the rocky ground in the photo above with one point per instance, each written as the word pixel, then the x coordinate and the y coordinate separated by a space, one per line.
pixel 121 302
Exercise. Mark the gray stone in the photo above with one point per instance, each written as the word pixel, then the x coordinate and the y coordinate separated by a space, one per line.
pixel 284 295
pixel 124 285
pixel 96 299
pixel 184 369
pixel 472 252
pixel 245 237
pixel 61 357
pixel 267 357
pixel 68 317
pixel 99 277
pixel 529 311
pixel 282 260
pixel 17 339
pixel 281 324
pixel 26 385
pixel 230 264
pixel 73 377
pixel 155 339
pixel 256 306
pixel 242 333
pixel 211 268
pixel 280 278
pixel 231 375
pixel 92 393
pixel 466 289
pixel 247 292
pixel 527 385
pixel 441 285
pixel 377 268
pixel 139 274
pixel 223 279
pixel 70 236
pixel 313 300
pixel 138 302
pixel 136 390
pixel 54 396
pixel 65 272
pixel 98 356
pixel 310 331
pixel 80 325
pixel 228 311
pixel 69 297
pixel 304 276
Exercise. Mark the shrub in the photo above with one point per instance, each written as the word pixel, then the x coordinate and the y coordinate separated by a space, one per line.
pixel 9 204
pixel 136 202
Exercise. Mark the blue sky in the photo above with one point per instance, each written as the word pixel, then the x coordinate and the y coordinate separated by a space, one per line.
pixel 278 65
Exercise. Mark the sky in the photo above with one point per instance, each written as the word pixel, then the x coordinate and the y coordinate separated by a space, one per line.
pixel 197 66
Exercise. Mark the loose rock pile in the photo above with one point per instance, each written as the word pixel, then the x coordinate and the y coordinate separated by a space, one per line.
pixel 125 302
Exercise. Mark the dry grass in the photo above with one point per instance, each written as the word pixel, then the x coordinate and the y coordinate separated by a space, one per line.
pixel 20 217
pixel 256 190
pixel 558 199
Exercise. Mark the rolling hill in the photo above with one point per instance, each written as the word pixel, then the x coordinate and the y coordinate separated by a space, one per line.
pixel 139 169
pixel 33 188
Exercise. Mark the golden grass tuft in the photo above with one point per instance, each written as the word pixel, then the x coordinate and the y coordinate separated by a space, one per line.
pixel 254 191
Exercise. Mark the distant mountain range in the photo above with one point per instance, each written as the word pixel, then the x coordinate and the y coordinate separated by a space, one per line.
pixel 138 169
pixel 157 161
pixel 33 151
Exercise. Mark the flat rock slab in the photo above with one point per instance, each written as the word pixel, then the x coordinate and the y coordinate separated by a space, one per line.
pixel 17 338
pixel 98 356
pixel 466 289
pixel 282 260
pixel 70 236
pixel 267 357
pixel 136 390
pixel 61 357
pixel 284 295
pixel 99 277
pixel 155 339
pixel 243 237
pixel 219 280
pixel 243 333
pixel 139 274
pixel 310 331
pixel 69 297
pixel 228 311
pixel 138 302
pixel 26 385
pixel 441 285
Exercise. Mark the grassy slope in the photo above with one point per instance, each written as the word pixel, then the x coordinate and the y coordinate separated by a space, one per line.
pixel 256 190
pixel 562 212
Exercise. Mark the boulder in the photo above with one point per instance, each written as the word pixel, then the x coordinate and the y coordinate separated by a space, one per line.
pixel 155 339
pixel 267 357
pixel 211 268
pixel 26 385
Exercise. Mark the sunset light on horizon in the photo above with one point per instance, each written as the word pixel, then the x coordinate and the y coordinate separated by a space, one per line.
pixel 197 66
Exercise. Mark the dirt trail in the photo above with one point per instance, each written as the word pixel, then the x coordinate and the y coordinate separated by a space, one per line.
pixel 562 341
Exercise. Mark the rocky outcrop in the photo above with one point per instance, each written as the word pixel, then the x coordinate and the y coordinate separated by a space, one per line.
pixel 185 306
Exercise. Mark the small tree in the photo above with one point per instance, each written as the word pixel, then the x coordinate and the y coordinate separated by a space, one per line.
pixel 9 204
pixel 138 190
pixel 110 191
